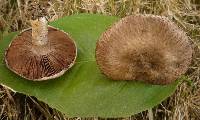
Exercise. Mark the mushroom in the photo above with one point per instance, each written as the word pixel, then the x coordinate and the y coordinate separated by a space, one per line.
pixel 144 48
pixel 41 52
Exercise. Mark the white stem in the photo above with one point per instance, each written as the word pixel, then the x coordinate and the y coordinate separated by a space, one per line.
pixel 39 31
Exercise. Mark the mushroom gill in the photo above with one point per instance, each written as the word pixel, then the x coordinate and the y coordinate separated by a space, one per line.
pixel 41 62
pixel 145 48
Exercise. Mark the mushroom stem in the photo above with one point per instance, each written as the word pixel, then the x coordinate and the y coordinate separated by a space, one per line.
pixel 39 31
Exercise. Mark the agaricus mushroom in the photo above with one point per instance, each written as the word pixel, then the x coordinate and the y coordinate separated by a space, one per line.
pixel 41 52
pixel 145 48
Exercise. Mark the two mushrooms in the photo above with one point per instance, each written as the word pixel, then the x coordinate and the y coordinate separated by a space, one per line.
pixel 145 48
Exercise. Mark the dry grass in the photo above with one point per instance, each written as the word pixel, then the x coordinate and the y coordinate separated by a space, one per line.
pixel 183 105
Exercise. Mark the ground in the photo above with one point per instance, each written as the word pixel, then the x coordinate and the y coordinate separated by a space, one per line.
pixel 184 104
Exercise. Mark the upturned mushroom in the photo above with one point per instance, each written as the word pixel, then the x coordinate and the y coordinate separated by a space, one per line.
pixel 144 48
pixel 41 52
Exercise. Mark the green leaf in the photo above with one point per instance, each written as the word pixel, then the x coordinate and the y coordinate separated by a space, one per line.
pixel 83 91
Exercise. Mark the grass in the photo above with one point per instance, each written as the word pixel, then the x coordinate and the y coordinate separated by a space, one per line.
pixel 184 104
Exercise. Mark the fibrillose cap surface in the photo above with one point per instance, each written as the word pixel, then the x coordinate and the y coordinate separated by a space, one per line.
pixel 144 48
pixel 41 62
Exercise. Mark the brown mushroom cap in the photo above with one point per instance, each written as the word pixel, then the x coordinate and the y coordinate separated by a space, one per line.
pixel 145 48
pixel 41 62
